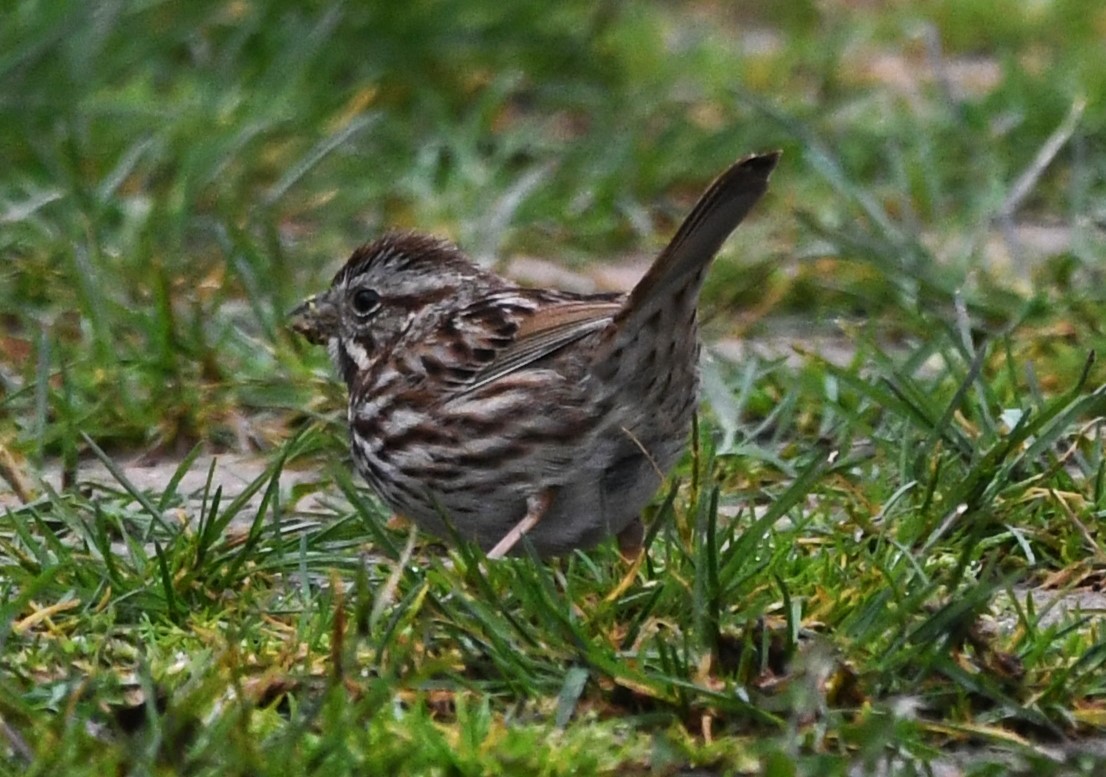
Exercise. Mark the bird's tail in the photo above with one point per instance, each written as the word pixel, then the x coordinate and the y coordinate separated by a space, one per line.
pixel 683 263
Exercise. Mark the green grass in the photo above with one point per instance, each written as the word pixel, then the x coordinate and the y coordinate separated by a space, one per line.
pixel 837 577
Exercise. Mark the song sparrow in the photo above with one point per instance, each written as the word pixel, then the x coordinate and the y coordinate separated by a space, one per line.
pixel 502 411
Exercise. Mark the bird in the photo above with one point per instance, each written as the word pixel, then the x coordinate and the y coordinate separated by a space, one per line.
pixel 490 412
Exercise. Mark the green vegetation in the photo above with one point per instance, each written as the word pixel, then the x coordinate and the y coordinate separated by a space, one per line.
pixel 867 562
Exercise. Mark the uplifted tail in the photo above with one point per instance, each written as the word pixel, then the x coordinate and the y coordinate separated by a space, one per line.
pixel 683 263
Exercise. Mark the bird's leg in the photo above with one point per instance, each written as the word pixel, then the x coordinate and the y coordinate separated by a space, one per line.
pixel 398 522
pixel 631 539
pixel 536 507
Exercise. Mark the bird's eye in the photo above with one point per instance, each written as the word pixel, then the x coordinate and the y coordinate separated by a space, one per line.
pixel 365 301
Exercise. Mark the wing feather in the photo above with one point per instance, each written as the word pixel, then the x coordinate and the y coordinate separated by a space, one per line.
pixel 512 330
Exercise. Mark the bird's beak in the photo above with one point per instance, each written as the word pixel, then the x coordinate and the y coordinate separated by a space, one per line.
pixel 316 319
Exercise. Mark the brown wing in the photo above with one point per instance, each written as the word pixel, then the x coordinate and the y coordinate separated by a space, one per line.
pixel 510 330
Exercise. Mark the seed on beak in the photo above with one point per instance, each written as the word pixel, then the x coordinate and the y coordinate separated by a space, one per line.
pixel 316 319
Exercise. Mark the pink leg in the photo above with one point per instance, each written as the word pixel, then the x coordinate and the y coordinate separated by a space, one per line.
pixel 535 508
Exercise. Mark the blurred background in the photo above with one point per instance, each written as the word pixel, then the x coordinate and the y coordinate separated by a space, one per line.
pixel 174 177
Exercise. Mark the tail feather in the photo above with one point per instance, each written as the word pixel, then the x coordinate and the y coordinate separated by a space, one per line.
pixel 682 265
